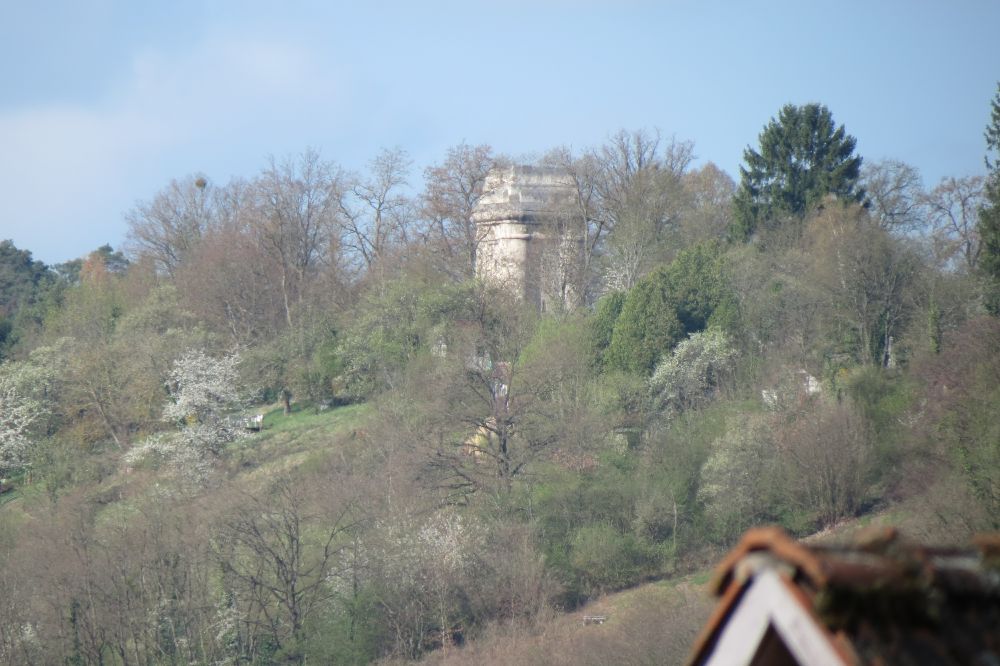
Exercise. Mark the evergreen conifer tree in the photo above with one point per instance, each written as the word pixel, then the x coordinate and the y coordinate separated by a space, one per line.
pixel 803 157
pixel 989 214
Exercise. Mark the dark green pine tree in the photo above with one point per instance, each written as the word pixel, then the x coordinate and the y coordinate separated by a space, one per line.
pixel 22 283
pixel 803 157
pixel 989 214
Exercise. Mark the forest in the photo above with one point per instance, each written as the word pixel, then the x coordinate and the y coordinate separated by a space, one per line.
pixel 438 462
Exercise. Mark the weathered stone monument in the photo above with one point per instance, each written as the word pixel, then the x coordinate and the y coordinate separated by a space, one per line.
pixel 531 242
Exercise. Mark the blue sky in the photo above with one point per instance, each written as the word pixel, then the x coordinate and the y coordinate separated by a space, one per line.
pixel 103 102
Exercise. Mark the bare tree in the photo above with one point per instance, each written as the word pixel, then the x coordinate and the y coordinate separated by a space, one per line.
pixel 628 202
pixel 297 203
pixel 638 185
pixel 170 226
pixel 708 204
pixel 451 193
pixel 953 207
pixel 828 449
pixel 279 554
pixel 583 215
pixel 894 194
pixel 379 215
pixel 233 286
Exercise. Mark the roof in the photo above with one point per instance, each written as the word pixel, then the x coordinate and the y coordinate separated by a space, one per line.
pixel 879 600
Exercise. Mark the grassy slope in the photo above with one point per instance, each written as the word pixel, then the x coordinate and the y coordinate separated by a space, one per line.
pixel 651 623
pixel 290 441
pixel 655 623
pixel 645 624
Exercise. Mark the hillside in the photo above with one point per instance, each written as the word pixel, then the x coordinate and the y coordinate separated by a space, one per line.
pixel 649 360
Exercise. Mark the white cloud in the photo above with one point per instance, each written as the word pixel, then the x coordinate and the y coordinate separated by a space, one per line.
pixel 69 171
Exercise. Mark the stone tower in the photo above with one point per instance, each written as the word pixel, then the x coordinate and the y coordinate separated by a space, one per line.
pixel 531 242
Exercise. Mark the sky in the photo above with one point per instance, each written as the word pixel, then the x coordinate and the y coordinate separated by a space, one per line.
pixel 103 102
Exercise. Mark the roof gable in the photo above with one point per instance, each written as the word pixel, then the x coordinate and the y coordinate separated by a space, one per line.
pixel 879 600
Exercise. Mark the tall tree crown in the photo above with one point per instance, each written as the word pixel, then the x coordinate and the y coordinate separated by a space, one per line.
pixel 989 213
pixel 803 157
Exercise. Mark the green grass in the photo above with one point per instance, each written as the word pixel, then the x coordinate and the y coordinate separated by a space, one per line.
pixel 9 495
pixel 13 487
pixel 287 441
pixel 303 417
pixel 701 578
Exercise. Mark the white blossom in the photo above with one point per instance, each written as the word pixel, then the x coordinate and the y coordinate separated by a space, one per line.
pixel 203 388
pixel 23 407
pixel 691 374
pixel 204 391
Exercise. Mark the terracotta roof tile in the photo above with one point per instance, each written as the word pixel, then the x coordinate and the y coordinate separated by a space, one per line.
pixel 882 598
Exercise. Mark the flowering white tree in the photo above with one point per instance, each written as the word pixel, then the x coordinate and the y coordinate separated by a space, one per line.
pixel 18 413
pixel 692 373
pixel 204 390
pixel 422 568
pixel 23 410
pixel 740 479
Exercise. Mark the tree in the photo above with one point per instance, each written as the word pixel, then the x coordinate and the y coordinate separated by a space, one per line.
pixel 481 406
pixel 741 479
pixel 989 213
pixel 204 392
pixel 421 575
pixel 959 402
pixel 115 338
pixel 602 325
pixel 203 388
pixel 393 323
pixel 23 282
pixel 868 277
pixel 101 381
pixel 114 261
pixel 893 194
pixel 829 451
pixel 638 183
pixel 20 276
pixel 453 188
pixel 583 214
pixel 708 204
pixel 647 327
pixel 490 398
pixel 694 372
pixel 673 301
pixel 380 218
pixel 233 286
pixel 953 208
pixel 803 157
pixel 23 407
pixel 280 555
pixel 297 204
pixel 170 226
pixel 300 362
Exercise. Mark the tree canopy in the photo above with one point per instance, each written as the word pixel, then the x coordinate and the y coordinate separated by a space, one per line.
pixel 989 214
pixel 803 157
pixel 673 301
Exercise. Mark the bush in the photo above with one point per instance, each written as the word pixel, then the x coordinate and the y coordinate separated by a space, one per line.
pixel 602 325
pixel 829 451
pixel 673 301
pixel 605 559
pixel 695 370
pixel 741 479
pixel 647 327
